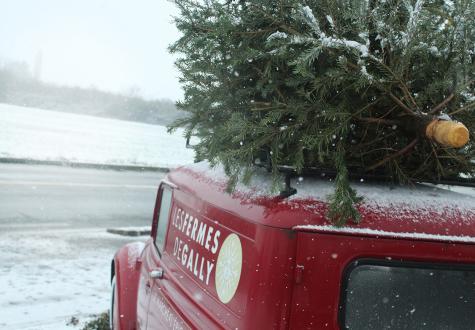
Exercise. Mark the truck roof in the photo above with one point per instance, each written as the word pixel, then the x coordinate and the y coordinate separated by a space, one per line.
pixel 421 211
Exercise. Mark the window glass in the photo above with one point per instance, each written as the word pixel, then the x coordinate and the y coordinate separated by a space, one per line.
pixel 398 297
pixel 163 217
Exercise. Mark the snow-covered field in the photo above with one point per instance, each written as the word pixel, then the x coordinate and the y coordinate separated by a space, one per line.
pixel 30 133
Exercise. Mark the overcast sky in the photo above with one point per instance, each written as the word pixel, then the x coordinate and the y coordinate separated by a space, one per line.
pixel 111 44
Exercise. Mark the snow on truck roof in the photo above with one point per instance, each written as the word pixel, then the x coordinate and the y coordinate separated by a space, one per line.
pixel 423 211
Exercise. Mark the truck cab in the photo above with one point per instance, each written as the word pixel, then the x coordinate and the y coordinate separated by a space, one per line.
pixel 254 260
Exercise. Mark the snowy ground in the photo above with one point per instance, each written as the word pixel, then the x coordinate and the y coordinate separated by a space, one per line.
pixel 30 133
pixel 55 252
pixel 67 276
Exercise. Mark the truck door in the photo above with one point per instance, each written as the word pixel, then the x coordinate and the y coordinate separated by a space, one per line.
pixel 160 312
pixel 149 264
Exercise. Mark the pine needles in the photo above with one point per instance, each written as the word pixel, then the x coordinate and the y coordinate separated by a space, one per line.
pixel 338 85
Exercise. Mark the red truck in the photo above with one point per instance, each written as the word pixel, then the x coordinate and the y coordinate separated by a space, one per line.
pixel 253 260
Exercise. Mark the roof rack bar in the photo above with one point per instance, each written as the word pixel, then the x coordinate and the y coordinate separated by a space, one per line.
pixel 288 191
pixel 290 172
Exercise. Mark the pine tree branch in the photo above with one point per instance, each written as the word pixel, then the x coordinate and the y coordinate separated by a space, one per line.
pixel 436 159
pixel 401 104
pixel 442 104
pixel 280 24
pixel 403 86
pixel 281 95
pixel 379 121
pixel 375 150
pixel 389 111
pixel 275 107
pixel 467 107
pixel 406 92
pixel 395 155
pixel 359 111
pixel 369 143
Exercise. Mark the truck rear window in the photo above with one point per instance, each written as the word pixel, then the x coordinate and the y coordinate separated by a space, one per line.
pixel 408 296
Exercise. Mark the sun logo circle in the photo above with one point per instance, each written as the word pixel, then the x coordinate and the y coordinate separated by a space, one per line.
pixel 228 268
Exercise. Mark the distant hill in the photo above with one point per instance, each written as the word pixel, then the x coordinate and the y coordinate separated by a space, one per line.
pixel 17 87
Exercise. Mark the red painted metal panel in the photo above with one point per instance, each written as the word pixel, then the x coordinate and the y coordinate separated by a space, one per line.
pixel 324 258
pixel 127 268
pixel 265 285
pixel 144 286
pixel 400 217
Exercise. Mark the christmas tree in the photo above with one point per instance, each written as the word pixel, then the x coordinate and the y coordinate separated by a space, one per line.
pixel 354 86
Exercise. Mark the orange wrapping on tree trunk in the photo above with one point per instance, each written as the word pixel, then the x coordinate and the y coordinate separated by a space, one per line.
pixel 448 133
